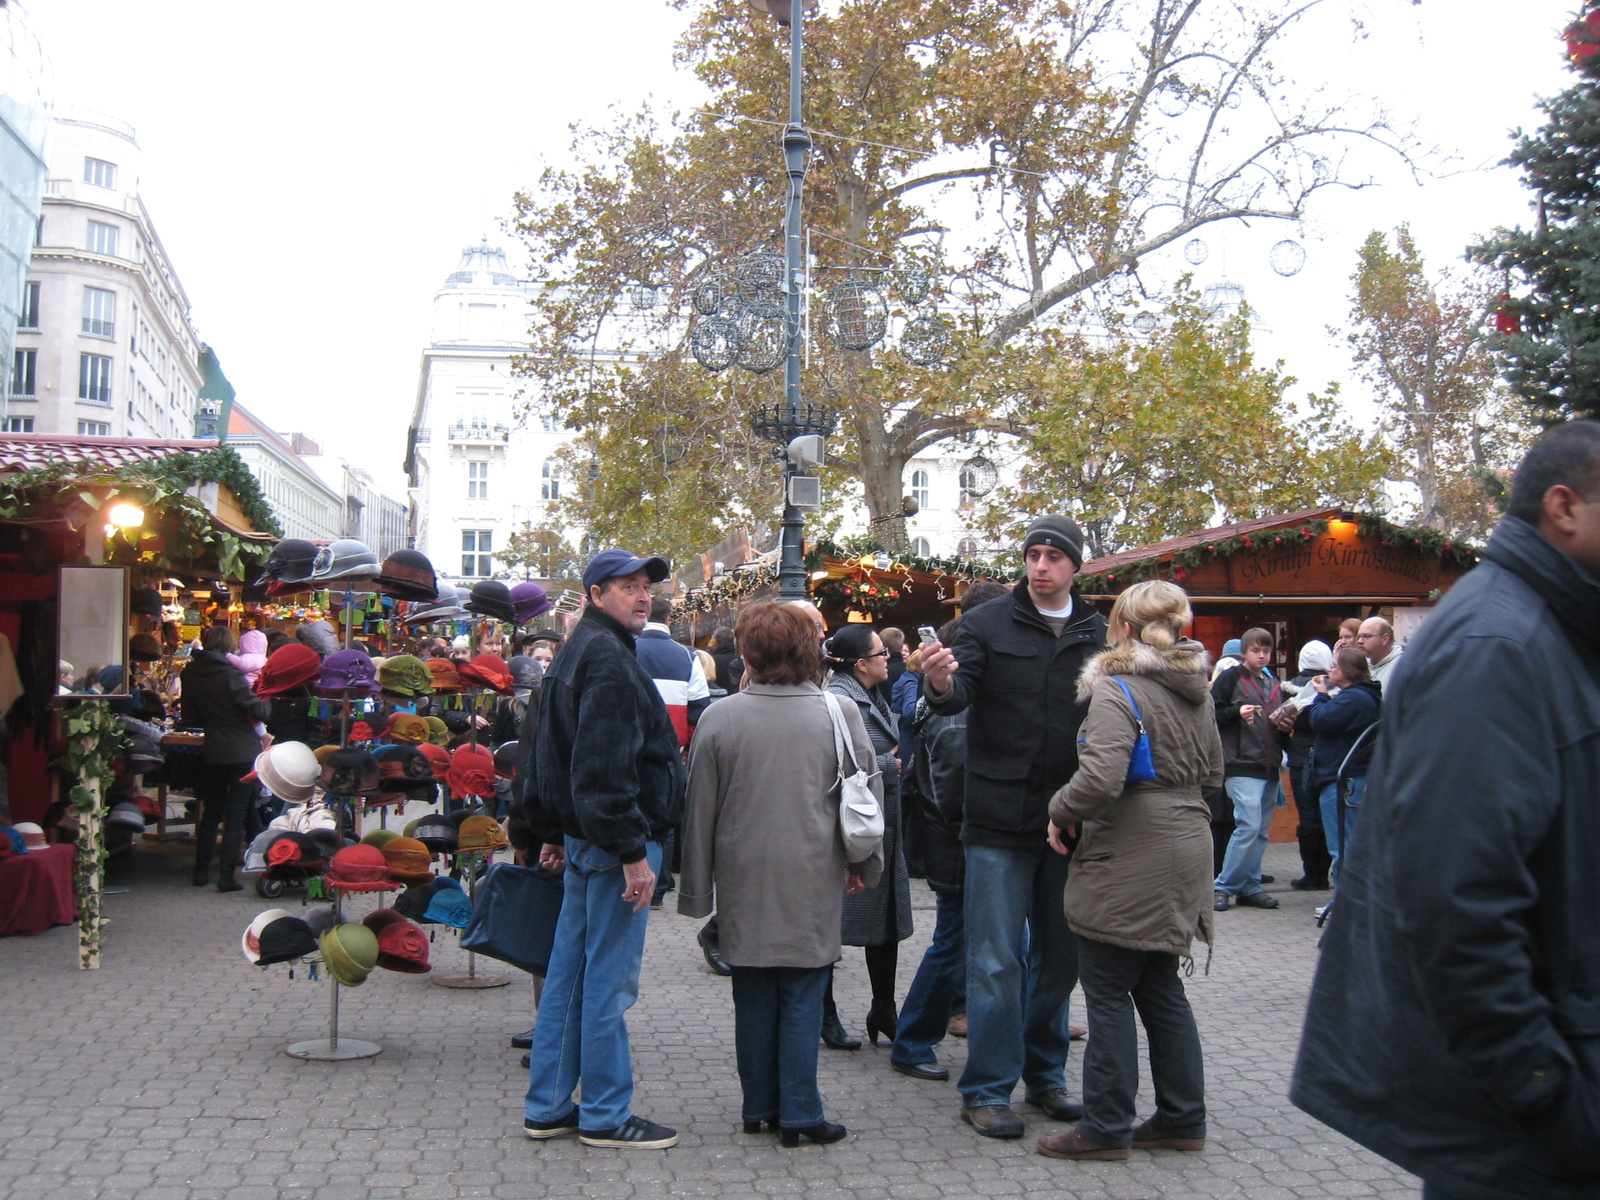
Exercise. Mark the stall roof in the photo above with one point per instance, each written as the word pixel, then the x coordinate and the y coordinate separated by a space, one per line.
pixel 30 451
pixel 1164 550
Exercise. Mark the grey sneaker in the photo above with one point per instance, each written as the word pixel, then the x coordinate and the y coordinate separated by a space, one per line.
pixel 994 1120
pixel 633 1134
pixel 1258 900
pixel 1220 901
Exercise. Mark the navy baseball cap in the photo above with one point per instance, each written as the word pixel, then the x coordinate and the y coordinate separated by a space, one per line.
pixel 608 564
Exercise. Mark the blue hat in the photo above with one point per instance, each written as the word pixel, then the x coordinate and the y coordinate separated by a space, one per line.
pixel 1233 647
pixel 449 904
pixel 608 564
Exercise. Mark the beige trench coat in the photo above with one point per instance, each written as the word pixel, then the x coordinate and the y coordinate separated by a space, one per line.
pixel 761 841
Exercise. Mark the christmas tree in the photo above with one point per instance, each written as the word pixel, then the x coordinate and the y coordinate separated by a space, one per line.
pixel 1549 332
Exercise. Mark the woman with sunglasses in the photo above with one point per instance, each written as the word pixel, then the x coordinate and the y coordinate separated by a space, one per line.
pixel 878 918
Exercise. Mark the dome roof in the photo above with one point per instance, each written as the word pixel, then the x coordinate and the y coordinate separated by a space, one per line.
pixel 483 266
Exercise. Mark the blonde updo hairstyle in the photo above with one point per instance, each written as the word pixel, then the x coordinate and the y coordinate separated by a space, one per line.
pixel 1157 610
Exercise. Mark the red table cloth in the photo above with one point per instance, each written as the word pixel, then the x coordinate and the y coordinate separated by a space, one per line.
pixel 36 891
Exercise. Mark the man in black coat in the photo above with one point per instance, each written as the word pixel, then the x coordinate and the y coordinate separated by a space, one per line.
pixel 1454 1024
pixel 1015 665
pixel 610 786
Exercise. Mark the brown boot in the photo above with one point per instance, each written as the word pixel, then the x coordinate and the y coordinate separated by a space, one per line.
pixel 1073 1144
pixel 958 1025
pixel 1150 1136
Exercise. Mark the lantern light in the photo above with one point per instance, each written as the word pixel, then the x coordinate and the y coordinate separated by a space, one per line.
pixel 126 516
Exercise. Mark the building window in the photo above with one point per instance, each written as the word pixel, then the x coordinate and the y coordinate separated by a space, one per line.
pixel 99 172
pixel 549 485
pixel 920 547
pixel 476 548
pixel 99 312
pixel 94 429
pixel 477 481
pixel 29 318
pixel 102 238
pixel 550 422
pixel 19 425
pixel 24 368
pixel 968 482
pixel 919 488
pixel 94 378
pixel 967 547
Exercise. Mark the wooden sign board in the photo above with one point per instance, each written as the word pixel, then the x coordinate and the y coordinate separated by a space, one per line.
pixel 1339 563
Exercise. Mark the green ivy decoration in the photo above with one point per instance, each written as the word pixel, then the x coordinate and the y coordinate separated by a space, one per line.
pixel 865 595
pixel 725 591
pixel 852 548
pixel 96 740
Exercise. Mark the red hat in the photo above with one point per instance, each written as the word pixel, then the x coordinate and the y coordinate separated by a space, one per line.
pixel 402 946
pixel 360 868
pixel 289 666
pixel 438 758
pixel 471 772
pixel 362 732
pixel 488 670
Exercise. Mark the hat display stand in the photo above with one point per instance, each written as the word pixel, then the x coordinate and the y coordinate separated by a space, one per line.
pixel 469 862
pixel 333 1048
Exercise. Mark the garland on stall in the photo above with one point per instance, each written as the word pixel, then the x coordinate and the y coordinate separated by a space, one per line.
pixel 858 592
pixel 725 591
pixel 1413 539
pixel 180 472
pixel 962 568
pixel 96 739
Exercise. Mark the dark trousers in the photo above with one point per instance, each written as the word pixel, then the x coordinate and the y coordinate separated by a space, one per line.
pixel 777 1025
pixel 1432 1192
pixel 1115 982
pixel 227 802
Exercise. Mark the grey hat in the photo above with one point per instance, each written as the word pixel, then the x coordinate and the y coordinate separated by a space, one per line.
pixel 345 558
pixel 320 919
pixel 1058 530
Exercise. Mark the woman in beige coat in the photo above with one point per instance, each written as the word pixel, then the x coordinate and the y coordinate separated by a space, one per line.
pixel 1140 887
pixel 762 826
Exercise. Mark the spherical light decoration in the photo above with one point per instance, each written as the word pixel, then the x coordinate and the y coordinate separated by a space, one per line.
pixel 912 280
pixel 1171 101
pixel 1195 252
pixel 763 349
pixel 978 476
pixel 1233 99
pixel 855 315
pixel 1287 257
pixel 716 342
pixel 642 296
pixel 708 296
pixel 1146 323
pixel 759 280
pixel 925 341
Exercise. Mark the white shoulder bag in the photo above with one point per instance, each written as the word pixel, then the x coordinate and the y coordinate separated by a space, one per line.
pixel 860 814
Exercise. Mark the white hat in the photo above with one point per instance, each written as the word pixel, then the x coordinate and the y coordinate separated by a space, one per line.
pixel 250 943
pixel 289 770
pixel 32 834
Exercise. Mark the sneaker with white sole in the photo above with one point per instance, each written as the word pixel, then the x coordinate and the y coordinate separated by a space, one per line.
pixel 560 1127
pixel 633 1134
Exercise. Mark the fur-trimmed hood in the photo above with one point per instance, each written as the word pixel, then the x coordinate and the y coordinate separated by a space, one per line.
pixel 1184 670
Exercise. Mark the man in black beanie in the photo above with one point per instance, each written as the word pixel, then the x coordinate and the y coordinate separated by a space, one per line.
pixel 1015 666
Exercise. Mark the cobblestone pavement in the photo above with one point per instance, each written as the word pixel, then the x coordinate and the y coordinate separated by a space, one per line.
pixel 162 1077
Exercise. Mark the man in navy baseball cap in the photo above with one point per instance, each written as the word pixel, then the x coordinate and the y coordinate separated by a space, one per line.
pixel 610 564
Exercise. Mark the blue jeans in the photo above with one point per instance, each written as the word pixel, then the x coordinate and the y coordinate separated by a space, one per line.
pixel 1329 803
pixel 1254 802
pixel 939 986
pixel 1022 964
pixel 592 982
pixel 777 1026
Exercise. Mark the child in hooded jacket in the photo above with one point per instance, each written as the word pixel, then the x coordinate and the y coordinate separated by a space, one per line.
pixel 252 655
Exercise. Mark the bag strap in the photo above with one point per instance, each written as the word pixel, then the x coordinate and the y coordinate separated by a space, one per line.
pixel 1138 720
pixel 841 747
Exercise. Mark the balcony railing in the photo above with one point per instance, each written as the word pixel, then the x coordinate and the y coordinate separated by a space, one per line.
pixel 463 432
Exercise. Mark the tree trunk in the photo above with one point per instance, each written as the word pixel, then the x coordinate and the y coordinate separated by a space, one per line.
pixel 882 485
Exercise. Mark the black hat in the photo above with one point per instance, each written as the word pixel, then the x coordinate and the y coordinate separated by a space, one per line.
pixel 413 902
pixel 146 602
pixel 350 773
pixel 437 834
pixel 1056 530
pixel 408 575
pixel 292 856
pixel 455 720
pixel 525 671
pixel 491 598
pixel 289 562
pixel 285 938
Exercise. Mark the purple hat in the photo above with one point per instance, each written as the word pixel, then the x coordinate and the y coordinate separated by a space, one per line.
pixel 529 601
pixel 348 670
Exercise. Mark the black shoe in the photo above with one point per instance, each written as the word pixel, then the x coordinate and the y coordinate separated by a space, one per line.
pixel 770 1124
pixel 932 1072
pixel 1258 900
pixel 633 1134
pixel 1307 884
pixel 201 877
pixel 527 1061
pixel 560 1127
pixel 227 883
pixel 823 1133
pixel 833 1035
pixel 1269 879
pixel 522 1041
pixel 882 1018
pixel 714 959
pixel 1220 901
pixel 1057 1104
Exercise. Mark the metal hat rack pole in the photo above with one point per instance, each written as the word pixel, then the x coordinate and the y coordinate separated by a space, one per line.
pixel 330 1048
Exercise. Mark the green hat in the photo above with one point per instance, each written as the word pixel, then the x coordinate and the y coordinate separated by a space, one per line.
pixel 350 951
pixel 410 830
pixel 405 674
pixel 438 731
pixel 378 837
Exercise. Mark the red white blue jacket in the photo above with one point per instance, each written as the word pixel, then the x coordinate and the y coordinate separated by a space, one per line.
pixel 678 677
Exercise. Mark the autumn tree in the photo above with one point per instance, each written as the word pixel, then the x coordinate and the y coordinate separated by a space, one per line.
pixel 538 553
pixel 1030 154
pixel 1147 436
pixel 1422 342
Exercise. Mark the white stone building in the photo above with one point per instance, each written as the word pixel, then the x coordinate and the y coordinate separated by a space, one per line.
pixel 476 474
pixel 371 515
pixel 104 346
pixel 305 505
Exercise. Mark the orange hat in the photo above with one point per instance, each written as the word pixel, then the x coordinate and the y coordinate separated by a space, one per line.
pixel 438 758
pixel 490 671
pixel 445 676
pixel 407 727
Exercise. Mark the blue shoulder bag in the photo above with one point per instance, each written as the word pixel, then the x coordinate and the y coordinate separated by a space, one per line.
pixel 1141 763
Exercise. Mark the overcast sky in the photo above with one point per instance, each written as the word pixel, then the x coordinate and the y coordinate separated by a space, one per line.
pixel 315 170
